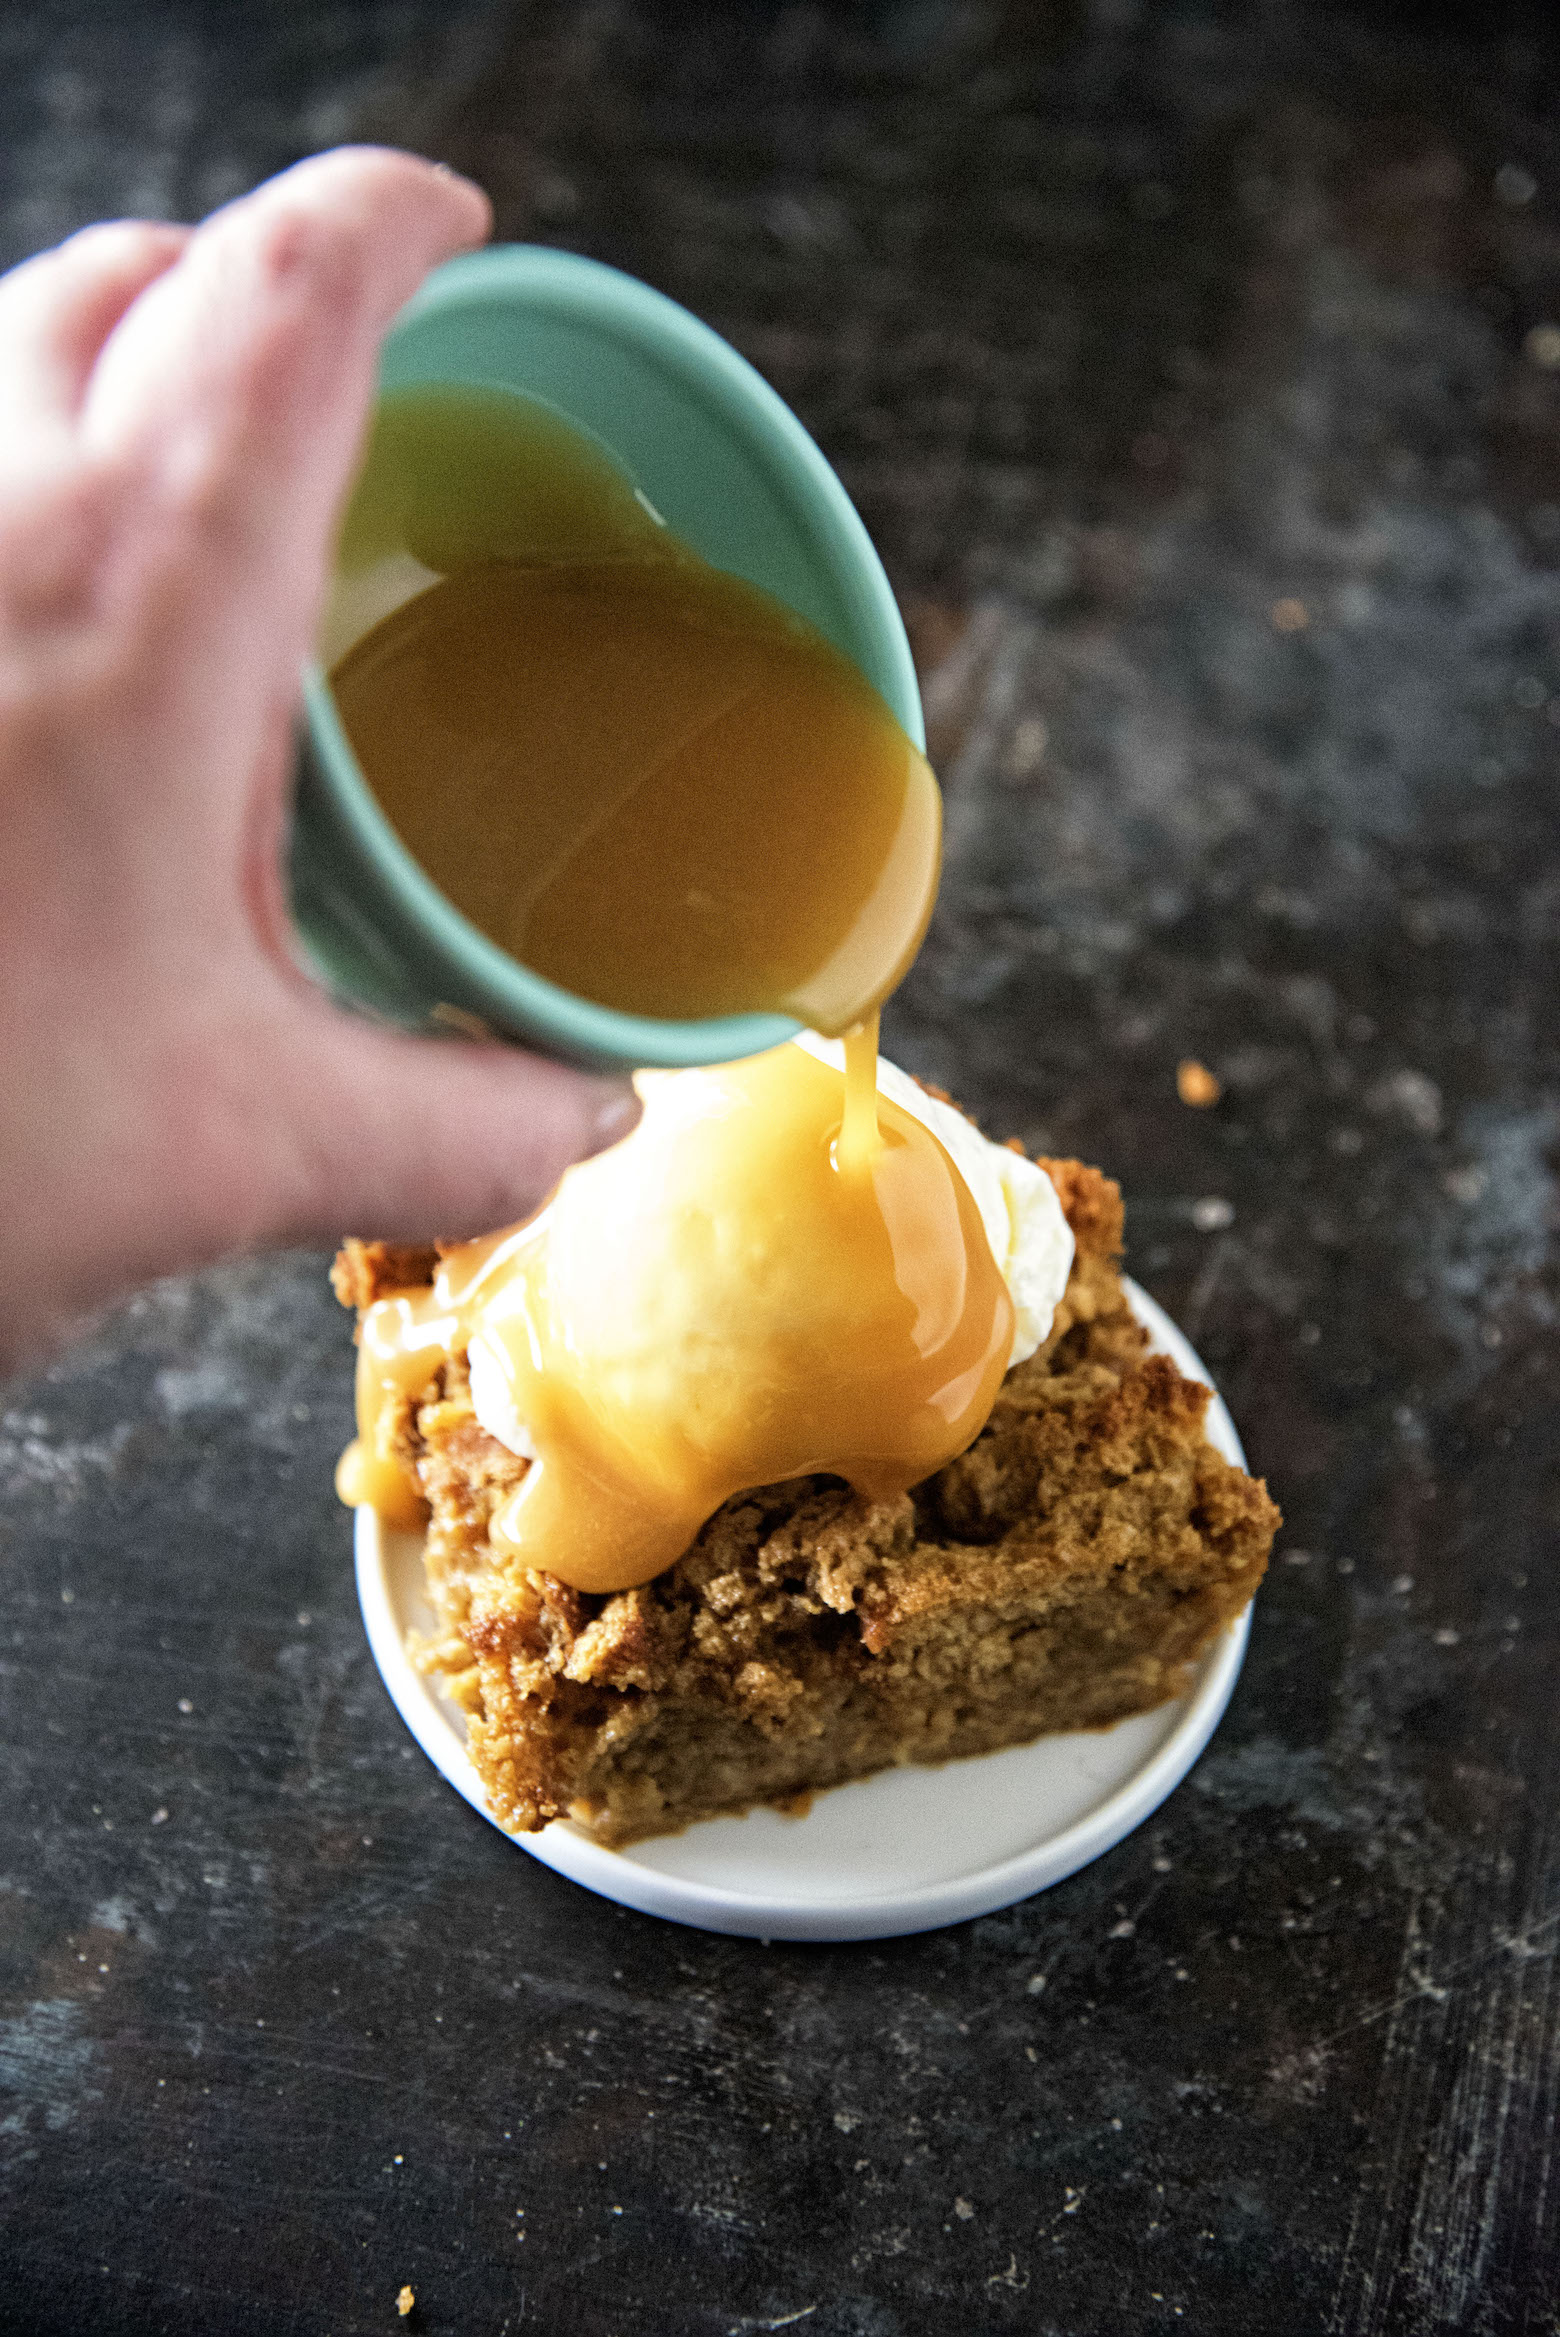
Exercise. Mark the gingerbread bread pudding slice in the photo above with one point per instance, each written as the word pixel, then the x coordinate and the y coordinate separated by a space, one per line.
pixel 1068 1569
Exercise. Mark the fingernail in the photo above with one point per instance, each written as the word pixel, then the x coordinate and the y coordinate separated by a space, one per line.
pixel 616 1114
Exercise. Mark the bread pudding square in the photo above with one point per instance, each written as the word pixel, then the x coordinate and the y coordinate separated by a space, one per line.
pixel 1068 1569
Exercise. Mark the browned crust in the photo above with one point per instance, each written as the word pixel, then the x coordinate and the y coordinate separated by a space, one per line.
pixel 1065 1571
pixel 366 1271
pixel 1091 1204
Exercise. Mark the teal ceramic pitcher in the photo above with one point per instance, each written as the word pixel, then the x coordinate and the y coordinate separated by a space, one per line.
pixel 733 473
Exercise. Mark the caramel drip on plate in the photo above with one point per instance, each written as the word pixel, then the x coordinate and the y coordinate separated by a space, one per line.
pixel 733 1296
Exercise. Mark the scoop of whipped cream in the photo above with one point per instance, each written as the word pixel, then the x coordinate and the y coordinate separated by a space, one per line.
pixel 1030 1238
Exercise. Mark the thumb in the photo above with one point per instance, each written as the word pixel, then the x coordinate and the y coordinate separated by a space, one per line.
pixel 415 1139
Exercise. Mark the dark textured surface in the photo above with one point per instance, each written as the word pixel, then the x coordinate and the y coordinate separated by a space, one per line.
pixel 1125 326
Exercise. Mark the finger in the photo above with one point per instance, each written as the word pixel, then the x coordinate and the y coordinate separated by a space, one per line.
pixel 238 386
pixel 414 1139
pixel 56 312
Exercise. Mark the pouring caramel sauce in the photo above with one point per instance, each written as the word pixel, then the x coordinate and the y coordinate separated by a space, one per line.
pixel 656 786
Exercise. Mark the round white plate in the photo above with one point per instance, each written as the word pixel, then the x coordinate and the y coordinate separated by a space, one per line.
pixel 904 1851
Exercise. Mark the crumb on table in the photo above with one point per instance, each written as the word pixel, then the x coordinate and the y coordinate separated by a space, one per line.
pixel 1195 1084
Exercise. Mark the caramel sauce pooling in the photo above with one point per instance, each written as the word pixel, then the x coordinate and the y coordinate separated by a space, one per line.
pixel 722 1300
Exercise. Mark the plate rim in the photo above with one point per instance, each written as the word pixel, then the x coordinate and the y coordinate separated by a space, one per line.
pixel 875 1915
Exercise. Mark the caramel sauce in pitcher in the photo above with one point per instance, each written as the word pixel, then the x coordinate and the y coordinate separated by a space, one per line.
pixel 645 779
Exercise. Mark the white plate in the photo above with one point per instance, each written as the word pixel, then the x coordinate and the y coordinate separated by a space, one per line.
pixel 904 1851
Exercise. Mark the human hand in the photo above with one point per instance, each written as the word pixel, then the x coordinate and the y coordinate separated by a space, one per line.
pixel 180 416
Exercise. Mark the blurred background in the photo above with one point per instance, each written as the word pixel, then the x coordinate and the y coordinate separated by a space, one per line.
pixel 1196 368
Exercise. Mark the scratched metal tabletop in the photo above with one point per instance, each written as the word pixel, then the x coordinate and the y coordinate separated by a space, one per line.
pixel 1197 369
